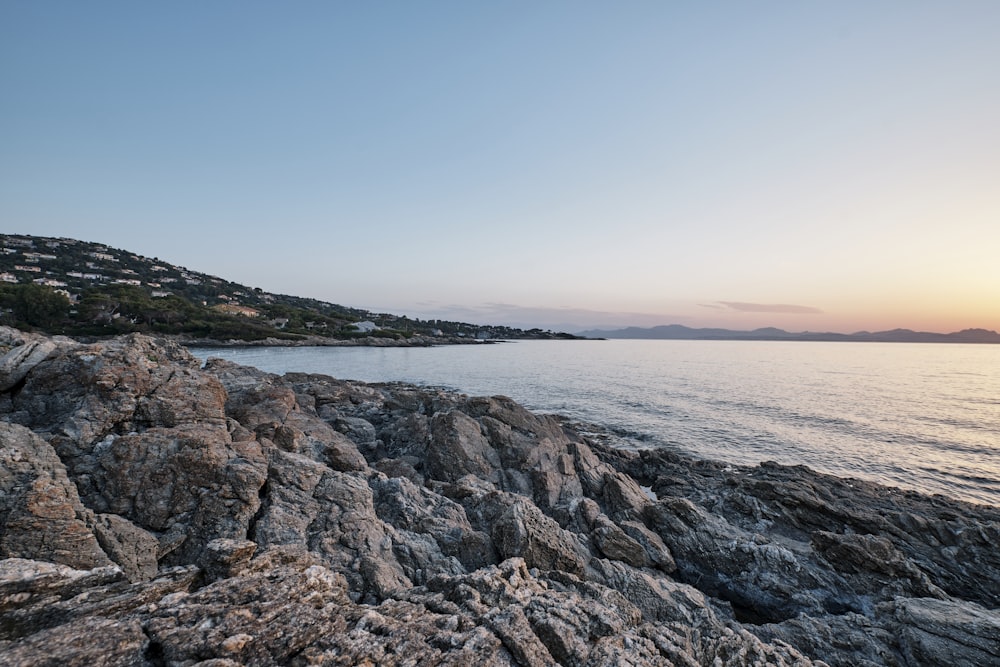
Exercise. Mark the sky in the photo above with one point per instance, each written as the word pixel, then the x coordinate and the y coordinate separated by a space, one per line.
pixel 815 166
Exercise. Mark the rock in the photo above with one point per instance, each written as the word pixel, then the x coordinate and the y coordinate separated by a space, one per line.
pixel 16 363
pixel 360 431
pixel 156 512
pixel 614 543
pixel 416 510
pixel 226 558
pixel 947 632
pixel 36 595
pixel 457 448
pixel 254 619
pixel 875 558
pixel 90 641
pixel 522 530
pixel 41 515
pixel 763 581
pixel 135 550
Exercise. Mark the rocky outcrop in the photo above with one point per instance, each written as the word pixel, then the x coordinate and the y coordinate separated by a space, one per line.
pixel 153 511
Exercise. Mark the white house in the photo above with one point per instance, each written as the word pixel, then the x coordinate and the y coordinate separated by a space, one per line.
pixel 365 327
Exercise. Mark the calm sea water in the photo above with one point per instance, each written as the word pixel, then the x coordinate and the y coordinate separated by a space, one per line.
pixel 918 416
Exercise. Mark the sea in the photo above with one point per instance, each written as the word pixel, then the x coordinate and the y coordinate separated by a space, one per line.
pixel 915 416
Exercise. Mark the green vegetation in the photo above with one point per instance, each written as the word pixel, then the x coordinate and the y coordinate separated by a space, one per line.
pixel 75 288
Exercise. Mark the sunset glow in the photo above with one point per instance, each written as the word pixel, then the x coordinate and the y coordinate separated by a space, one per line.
pixel 823 167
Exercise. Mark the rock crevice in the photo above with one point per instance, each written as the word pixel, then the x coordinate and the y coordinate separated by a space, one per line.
pixel 157 512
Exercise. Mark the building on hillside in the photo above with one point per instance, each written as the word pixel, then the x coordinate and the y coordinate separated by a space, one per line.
pixel 236 309
pixel 366 326
pixel 49 282
pixel 8 277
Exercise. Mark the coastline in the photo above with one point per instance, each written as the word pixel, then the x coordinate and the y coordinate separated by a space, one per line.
pixel 221 512
pixel 320 341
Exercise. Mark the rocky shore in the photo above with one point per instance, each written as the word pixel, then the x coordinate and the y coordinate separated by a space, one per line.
pixel 416 340
pixel 154 512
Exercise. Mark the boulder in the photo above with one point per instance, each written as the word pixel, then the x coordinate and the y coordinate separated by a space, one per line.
pixel 156 512
pixel 41 516
pixel 17 362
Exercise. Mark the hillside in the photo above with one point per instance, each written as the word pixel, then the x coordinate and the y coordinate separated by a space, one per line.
pixel 76 288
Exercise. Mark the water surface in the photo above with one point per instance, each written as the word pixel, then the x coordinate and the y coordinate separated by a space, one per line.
pixel 919 416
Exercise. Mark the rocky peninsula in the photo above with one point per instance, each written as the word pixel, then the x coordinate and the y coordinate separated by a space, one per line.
pixel 157 512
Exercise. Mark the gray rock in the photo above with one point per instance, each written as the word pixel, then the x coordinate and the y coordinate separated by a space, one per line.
pixel 41 516
pixel 134 550
pixel 224 558
pixel 457 448
pixel 17 362
pixel 948 632
pixel 258 519
pixel 522 530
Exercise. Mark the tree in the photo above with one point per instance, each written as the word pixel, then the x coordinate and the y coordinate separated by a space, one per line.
pixel 39 306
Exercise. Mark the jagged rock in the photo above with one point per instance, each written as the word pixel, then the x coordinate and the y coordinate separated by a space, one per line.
pixel 457 448
pixel 521 529
pixel 258 519
pixel 264 618
pixel 15 364
pixel 36 595
pixel 135 550
pixel 413 509
pixel 360 431
pixel 614 543
pixel 875 558
pixel 227 557
pixel 90 641
pixel 946 632
pixel 40 512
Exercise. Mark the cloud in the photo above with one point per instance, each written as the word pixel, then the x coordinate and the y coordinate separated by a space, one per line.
pixel 787 309
pixel 527 317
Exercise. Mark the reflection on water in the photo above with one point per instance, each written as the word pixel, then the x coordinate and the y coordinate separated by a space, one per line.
pixel 912 415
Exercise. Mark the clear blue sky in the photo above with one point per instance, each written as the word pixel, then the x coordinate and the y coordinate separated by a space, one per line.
pixel 814 166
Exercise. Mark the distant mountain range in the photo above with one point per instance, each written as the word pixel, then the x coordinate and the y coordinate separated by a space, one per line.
pixel 680 332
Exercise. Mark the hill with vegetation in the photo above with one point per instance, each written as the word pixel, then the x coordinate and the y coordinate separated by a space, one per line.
pixel 81 289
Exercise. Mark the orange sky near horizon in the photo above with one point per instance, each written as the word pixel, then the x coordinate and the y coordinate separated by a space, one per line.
pixel 560 164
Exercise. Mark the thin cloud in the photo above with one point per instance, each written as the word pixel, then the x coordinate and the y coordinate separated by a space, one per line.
pixel 785 308
pixel 527 317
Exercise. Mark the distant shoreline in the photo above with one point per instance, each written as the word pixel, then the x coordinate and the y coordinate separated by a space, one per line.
pixel 680 332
